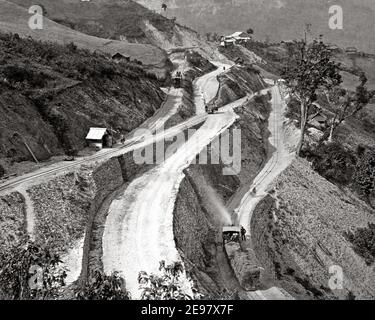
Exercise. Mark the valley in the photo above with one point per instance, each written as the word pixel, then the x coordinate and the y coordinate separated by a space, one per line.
pixel 205 177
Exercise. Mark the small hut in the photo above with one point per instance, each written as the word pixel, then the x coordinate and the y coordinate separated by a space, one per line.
pixel 118 57
pixel 99 138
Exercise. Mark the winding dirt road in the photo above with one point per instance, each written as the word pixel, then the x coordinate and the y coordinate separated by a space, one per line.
pixel 139 228
pixel 279 161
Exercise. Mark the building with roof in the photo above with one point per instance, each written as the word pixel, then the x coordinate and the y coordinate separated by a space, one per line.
pixel 351 50
pixel 117 57
pixel 318 120
pixel 99 138
pixel 235 38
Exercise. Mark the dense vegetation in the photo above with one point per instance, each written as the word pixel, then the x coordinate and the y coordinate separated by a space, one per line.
pixel 363 240
pixel 346 167
pixel 311 69
pixel 108 19
pixel 30 271
pixel 66 90
pixel 19 57
pixel 167 285
pixel 103 287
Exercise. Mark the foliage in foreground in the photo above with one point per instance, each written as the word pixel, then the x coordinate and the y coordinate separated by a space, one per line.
pixel 104 287
pixel 30 271
pixel 166 286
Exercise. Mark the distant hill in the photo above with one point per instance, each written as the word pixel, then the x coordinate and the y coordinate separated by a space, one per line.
pixel 121 20
pixel 15 19
pixel 276 19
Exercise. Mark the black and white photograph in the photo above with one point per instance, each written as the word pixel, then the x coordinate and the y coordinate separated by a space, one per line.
pixel 214 152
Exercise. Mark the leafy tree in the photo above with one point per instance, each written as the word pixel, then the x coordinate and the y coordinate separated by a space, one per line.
pixel 347 104
pixel 30 271
pixel 310 69
pixel 164 6
pixel 250 31
pixel 104 287
pixel 166 286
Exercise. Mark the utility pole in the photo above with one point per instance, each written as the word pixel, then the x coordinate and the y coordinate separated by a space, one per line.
pixel 27 147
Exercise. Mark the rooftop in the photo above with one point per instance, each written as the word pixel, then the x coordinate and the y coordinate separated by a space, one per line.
pixel 96 133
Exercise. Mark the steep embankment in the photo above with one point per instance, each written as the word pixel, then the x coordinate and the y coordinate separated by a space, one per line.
pixel 62 211
pixel 204 193
pixel 52 94
pixel 298 232
pixel 237 83
pixel 147 237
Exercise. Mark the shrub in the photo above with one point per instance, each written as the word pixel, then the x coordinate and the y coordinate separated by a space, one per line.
pixel 2 171
pixel 333 161
pixel 166 286
pixel 363 240
pixel 103 287
pixel 364 176
pixel 30 271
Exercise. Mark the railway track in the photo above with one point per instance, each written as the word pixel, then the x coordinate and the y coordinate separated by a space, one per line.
pixel 133 144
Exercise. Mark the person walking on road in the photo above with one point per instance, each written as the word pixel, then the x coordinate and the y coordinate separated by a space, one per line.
pixel 122 138
pixel 243 234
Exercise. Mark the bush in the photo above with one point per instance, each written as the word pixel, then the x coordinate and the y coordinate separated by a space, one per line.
pixel 2 171
pixel 30 271
pixel 166 286
pixel 103 287
pixel 333 161
pixel 363 241
pixel 364 176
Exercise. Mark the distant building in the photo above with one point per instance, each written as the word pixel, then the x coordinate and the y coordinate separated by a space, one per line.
pixel 318 121
pixel 351 50
pixel 117 57
pixel 240 37
pixel 235 38
pixel 228 43
pixel 99 138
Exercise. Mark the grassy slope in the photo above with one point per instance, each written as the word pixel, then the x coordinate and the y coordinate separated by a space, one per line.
pixel 126 19
pixel 15 19
pixel 313 213
pixel 103 18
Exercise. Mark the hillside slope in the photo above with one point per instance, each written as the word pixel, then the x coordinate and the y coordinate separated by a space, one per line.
pixel 276 19
pixel 15 19
pixel 50 95
pixel 121 20
pixel 299 231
